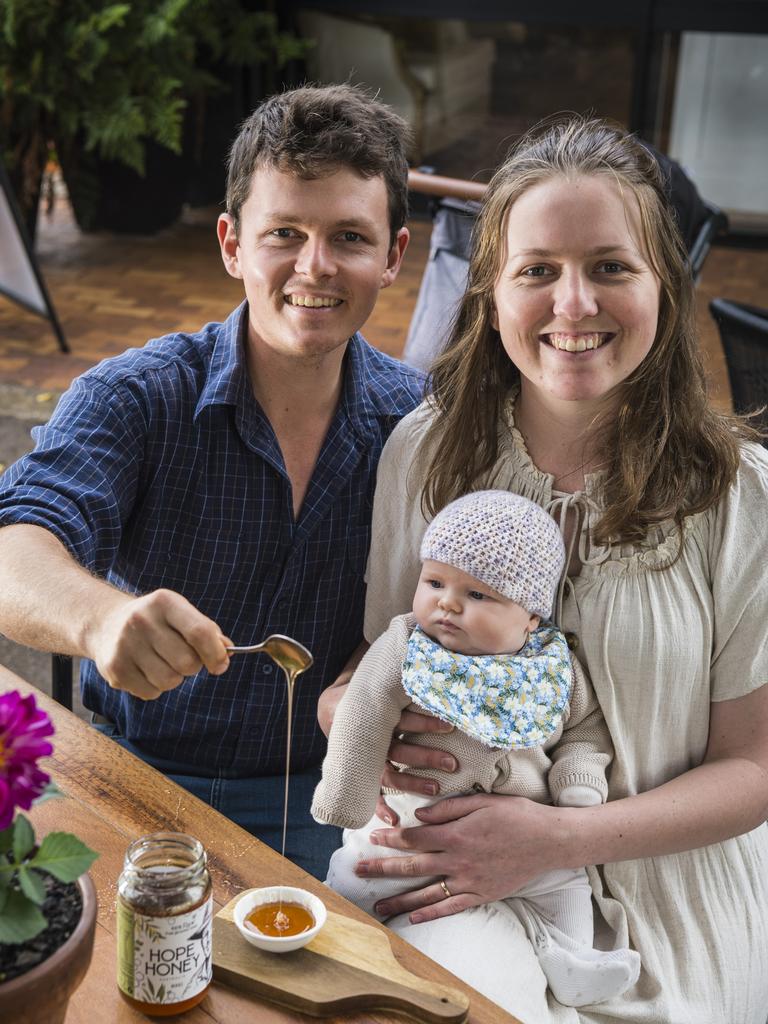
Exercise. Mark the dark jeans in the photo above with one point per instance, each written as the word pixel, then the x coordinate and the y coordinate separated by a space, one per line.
pixel 256 804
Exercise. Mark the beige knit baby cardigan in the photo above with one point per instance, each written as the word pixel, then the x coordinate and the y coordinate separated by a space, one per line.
pixel 577 753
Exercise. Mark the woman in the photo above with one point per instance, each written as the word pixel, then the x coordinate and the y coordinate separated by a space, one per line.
pixel 573 378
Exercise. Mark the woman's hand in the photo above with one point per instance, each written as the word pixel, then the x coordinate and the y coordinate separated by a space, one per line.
pixel 403 753
pixel 483 847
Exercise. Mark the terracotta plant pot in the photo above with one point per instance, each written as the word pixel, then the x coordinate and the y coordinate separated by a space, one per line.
pixel 42 994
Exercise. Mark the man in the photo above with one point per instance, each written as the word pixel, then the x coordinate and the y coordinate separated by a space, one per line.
pixel 217 487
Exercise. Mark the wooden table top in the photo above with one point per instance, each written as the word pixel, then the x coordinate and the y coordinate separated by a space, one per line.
pixel 112 798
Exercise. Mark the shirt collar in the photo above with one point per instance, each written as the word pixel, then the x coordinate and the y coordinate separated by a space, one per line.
pixel 361 386
pixel 227 374
pixel 227 368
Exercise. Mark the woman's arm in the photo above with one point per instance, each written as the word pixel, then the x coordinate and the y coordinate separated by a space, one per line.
pixel 485 847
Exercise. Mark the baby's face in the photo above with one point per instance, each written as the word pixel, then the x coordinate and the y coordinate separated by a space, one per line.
pixel 465 615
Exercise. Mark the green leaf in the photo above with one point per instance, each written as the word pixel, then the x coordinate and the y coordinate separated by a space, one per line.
pixel 3 899
pixel 114 15
pixel 21 919
pixel 6 839
pixel 23 838
pixel 63 856
pixel 90 68
pixel 32 884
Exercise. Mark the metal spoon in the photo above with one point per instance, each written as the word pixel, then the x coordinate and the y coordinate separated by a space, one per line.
pixel 289 654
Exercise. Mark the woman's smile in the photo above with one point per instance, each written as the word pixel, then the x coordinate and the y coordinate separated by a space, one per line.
pixel 565 341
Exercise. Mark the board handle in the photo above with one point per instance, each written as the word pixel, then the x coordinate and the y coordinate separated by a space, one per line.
pixel 375 993
pixel 425 1009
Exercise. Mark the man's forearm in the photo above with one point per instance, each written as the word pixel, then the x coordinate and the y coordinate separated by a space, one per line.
pixel 144 645
pixel 47 600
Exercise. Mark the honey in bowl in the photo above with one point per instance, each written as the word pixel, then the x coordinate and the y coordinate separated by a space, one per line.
pixel 280 920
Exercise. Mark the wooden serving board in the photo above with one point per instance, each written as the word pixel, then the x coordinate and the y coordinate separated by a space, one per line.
pixel 348 966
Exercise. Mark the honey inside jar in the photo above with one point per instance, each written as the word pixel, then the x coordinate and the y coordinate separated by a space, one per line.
pixel 280 920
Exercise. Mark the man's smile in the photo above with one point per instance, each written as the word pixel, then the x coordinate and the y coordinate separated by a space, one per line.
pixel 312 301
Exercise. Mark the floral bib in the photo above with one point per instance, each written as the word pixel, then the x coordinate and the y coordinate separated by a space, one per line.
pixel 512 701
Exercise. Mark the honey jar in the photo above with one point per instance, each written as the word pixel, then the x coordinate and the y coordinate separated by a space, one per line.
pixel 164 911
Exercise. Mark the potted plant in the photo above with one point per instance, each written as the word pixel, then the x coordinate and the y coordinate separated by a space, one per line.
pixel 102 80
pixel 47 903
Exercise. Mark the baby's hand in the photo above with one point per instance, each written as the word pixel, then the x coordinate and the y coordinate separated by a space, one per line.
pixel 401 752
pixel 579 796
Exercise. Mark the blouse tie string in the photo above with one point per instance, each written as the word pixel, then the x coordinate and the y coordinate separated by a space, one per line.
pixel 589 554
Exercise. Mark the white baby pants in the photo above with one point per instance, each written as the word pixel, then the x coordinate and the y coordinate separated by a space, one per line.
pixel 555 910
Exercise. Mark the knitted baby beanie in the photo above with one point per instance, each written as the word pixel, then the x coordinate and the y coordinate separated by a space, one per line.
pixel 505 541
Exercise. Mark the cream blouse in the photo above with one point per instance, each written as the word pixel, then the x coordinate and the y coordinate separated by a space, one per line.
pixel 660 639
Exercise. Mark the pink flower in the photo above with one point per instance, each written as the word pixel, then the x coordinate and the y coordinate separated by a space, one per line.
pixel 22 728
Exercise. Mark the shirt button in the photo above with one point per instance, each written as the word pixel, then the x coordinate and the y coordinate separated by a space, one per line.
pixel 572 640
pixel 267 669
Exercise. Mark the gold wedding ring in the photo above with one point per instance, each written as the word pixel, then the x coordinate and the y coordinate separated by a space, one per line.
pixel 445 889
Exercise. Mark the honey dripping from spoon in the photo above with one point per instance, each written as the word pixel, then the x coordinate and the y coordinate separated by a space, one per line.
pixel 293 659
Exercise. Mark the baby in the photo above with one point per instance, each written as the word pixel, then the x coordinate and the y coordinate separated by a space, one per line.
pixel 479 652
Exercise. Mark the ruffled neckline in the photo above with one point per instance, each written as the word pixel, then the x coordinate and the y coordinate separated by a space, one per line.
pixel 657 551
pixel 513 445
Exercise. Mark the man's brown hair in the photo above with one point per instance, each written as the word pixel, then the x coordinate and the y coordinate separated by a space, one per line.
pixel 314 130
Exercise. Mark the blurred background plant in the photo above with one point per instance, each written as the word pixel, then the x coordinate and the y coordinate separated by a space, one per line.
pixel 121 83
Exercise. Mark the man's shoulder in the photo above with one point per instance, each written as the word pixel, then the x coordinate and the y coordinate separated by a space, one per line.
pixel 176 357
pixel 390 386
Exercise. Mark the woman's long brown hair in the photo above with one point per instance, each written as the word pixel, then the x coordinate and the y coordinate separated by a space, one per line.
pixel 667 453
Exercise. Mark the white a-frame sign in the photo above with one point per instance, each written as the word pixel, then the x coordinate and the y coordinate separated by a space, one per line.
pixel 20 277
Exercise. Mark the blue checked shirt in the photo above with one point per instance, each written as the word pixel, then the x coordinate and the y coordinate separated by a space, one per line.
pixel 159 469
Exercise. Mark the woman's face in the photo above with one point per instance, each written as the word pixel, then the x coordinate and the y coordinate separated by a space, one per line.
pixel 577 301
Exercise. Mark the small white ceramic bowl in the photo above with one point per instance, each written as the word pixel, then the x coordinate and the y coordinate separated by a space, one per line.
pixel 272 894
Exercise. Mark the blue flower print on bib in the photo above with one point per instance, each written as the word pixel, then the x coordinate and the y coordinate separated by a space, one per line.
pixel 511 701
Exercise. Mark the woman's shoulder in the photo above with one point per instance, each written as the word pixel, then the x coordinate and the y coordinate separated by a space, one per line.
pixel 753 468
pixel 412 442
pixel 749 492
pixel 405 448
pixel 740 512
pixel 749 489
pixel 410 431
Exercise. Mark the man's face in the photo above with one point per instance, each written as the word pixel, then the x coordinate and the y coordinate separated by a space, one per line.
pixel 312 255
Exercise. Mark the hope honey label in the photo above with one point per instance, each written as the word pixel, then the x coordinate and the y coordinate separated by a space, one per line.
pixel 164 960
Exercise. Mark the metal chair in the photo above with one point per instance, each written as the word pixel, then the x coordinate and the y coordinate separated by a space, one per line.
pixel 62 679
pixel 713 223
pixel 744 335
